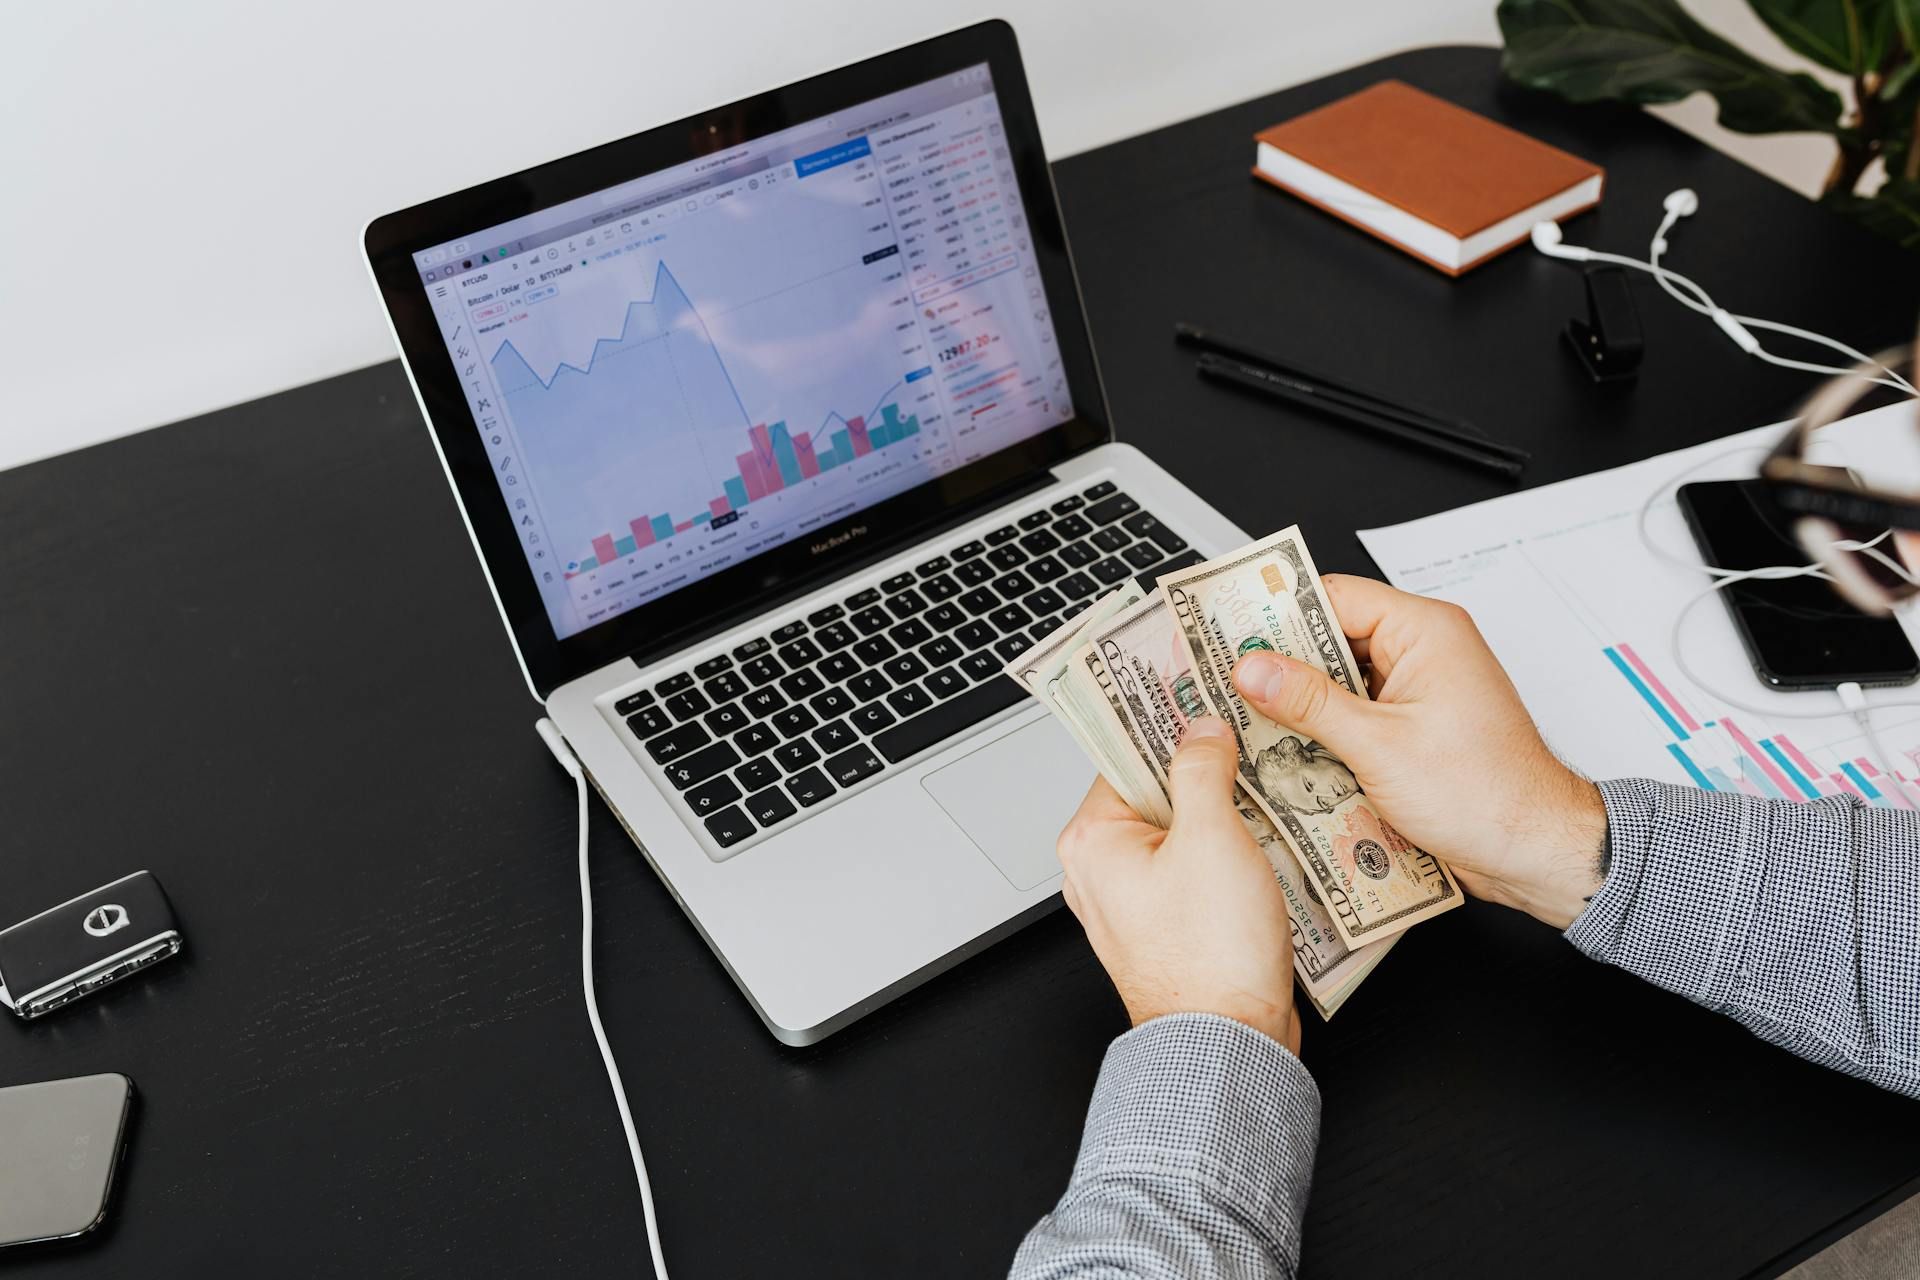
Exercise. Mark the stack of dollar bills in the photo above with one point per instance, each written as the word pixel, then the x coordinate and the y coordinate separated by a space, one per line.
pixel 1128 673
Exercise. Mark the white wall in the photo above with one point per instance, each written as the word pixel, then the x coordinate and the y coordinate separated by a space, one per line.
pixel 185 183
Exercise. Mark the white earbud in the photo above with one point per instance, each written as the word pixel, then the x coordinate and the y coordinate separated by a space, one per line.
pixel 1546 238
pixel 1682 203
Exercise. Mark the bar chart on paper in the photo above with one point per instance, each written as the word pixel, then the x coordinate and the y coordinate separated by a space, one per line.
pixel 1582 615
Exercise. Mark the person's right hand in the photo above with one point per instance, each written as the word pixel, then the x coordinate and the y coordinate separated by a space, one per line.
pixel 1446 751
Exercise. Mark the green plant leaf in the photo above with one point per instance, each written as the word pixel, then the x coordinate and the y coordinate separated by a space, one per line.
pixel 1906 19
pixel 1849 36
pixel 1647 51
pixel 1893 211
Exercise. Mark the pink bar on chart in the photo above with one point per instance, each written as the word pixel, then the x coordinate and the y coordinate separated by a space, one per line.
pixel 1865 766
pixel 763 455
pixel 1760 759
pixel 1890 788
pixel 803 450
pixel 750 476
pixel 1846 784
pixel 1748 787
pixel 642 532
pixel 683 526
pixel 717 507
pixel 1793 753
pixel 1680 713
pixel 603 548
pixel 857 432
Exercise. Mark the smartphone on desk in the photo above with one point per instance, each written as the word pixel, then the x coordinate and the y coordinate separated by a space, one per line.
pixel 1798 632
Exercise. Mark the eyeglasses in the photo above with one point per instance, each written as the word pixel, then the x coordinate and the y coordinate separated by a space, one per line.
pixel 1843 522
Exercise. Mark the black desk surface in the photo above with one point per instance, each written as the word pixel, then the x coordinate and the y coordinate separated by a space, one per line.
pixel 251 651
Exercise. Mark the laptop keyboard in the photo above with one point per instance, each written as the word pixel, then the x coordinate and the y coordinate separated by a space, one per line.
pixel 753 738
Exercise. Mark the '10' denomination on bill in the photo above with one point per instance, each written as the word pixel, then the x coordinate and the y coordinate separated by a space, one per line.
pixel 1129 673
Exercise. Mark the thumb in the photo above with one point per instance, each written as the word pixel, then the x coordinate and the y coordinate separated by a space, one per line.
pixel 1303 698
pixel 1200 777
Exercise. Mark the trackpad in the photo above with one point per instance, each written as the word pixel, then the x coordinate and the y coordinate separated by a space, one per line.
pixel 1013 795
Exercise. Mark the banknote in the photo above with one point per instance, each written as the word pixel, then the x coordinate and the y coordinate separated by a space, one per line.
pixel 1372 880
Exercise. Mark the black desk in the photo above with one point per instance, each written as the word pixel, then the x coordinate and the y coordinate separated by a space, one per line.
pixel 252 652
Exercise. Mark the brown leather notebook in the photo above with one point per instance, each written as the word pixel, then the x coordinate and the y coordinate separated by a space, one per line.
pixel 1448 186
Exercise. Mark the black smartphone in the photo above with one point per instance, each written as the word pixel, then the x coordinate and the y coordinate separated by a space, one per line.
pixel 1798 632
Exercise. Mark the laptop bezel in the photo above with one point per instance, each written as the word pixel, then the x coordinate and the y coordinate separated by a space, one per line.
pixel 807 560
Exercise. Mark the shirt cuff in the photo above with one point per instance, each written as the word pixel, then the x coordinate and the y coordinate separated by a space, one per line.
pixel 1206 1099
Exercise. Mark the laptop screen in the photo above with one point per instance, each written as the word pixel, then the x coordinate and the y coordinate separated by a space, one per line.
pixel 675 374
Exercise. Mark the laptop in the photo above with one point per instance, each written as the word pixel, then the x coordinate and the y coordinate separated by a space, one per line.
pixel 777 431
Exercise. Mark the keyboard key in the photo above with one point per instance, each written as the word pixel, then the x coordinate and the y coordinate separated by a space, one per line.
pixel 910 633
pixel 871 718
pixel 968 550
pixel 713 666
pixel 1071 528
pixel 692 770
pixel 1076 586
pixel 837 667
pixel 727 719
pixel 910 701
pixel 1011 647
pixel 821 617
pixel 674 684
pixel 687 705
pixel 1186 559
pixel 1142 524
pixel 940 652
pixel 1099 491
pixel 678 742
pixel 792 631
pixel 1005 533
pixel 1108 510
pixel 868 621
pixel 648 721
pixel 1078 555
pixel 1044 628
pixel 809 788
pixel 762 703
pixel 1013 586
pixel 725 687
pixel 1034 519
pixel 1142 555
pixel 939 588
pixel 868 685
pixel 755 774
pixel 797 754
pixel 1045 569
pixel 1076 607
pixel 1110 540
pixel 981 665
pixel 793 722
pixel 904 668
pixel 802 684
pixel 979 601
pixel 754 739
pixel 874 650
pixel 861 599
pixel 974 634
pixel 906 604
pixel 751 649
pixel 633 702
pixel 947 718
pixel 715 794
pixel 945 617
pixel 898 582
pixel 835 636
pixel 834 735
pixel 729 827
pixel 853 765
pixel 770 807
pixel 1039 542
pixel 1072 502
pixel 1110 571
pixel 762 669
pixel 1006 557
pixel 832 703
pixel 1042 602
pixel 938 564
pixel 973 573
pixel 945 683
pixel 800 653
pixel 1010 617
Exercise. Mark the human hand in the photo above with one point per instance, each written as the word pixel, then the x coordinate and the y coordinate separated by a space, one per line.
pixel 1446 751
pixel 1188 919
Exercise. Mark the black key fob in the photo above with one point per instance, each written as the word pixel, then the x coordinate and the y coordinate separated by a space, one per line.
pixel 80 946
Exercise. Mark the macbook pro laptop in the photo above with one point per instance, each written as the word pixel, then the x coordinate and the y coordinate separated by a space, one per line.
pixel 778 433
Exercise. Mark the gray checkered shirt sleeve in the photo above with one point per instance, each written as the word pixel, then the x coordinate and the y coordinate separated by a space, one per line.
pixel 1194 1164
pixel 1799 921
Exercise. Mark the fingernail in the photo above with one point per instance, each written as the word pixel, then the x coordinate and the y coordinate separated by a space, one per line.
pixel 1207 726
pixel 1258 676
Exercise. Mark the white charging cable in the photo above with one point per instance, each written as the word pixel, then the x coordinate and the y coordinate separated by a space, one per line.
pixel 550 734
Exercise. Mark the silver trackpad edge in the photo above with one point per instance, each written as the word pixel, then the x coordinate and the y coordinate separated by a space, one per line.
pixel 1012 796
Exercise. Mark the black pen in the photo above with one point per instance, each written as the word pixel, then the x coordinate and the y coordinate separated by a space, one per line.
pixel 1331 390
pixel 1280 386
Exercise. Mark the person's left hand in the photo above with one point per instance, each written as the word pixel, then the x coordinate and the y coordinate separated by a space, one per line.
pixel 1187 920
